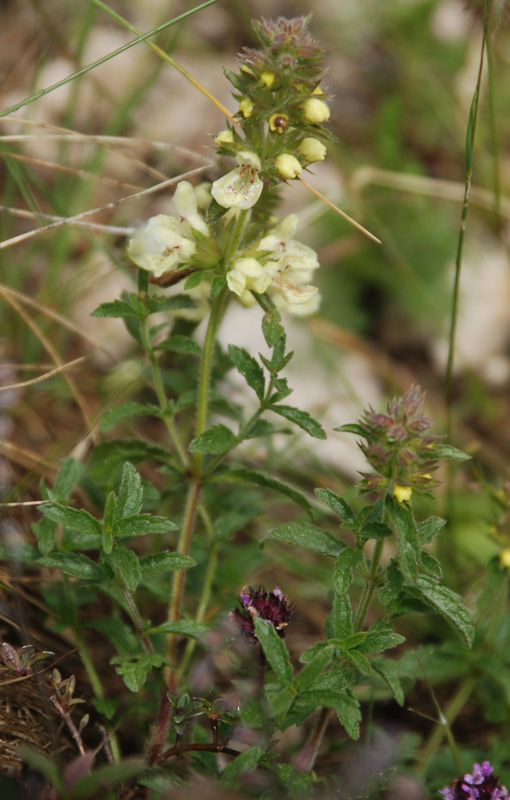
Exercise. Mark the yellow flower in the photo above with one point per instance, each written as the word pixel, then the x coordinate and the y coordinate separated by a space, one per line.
pixel 224 137
pixel 246 107
pixel 288 166
pixel 504 558
pixel 315 110
pixel 312 150
pixel 402 493
pixel 267 79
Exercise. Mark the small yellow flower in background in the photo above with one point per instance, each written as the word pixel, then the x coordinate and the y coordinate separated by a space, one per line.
pixel 246 107
pixel 315 110
pixel 247 275
pixel 267 79
pixel 312 150
pixel 288 166
pixel 224 137
pixel 242 187
pixel 504 558
pixel 402 493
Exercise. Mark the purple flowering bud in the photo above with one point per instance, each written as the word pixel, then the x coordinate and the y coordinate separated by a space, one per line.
pixel 480 784
pixel 273 607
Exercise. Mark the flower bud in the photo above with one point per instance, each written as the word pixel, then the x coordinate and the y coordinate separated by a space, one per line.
pixel 278 122
pixel 288 166
pixel 246 107
pixel 312 150
pixel 267 79
pixel 504 558
pixel 224 137
pixel 315 110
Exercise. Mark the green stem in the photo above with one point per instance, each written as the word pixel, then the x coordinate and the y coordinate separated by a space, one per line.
pixel 369 588
pixel 137 619
pixel 195 486
pixel 494 136
pixel 160 392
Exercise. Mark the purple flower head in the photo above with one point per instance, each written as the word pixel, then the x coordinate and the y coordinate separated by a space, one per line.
pixel 273 607
pixel 480 784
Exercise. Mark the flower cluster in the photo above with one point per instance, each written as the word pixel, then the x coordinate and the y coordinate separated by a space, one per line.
pixel 399 447
pixel 280 115
pixel 481 784
pixel 165 243
pixel 280 265
pixel 273 607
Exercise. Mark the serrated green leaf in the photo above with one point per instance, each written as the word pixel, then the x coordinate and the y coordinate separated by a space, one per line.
pixel 359 661
pixel 241 475
pixel 302 419
pixel 127 567
pixel 249 368
pixel 118 633
pixel 429 529
pixel 447 603
pixel 338 505
pixel 130 496
pixel 218 283
pixel 246 762
pixel 218 439
pixel 195 279
pixel 135 669
pixel 180 344
pixel 108 522
pixel 126 410
pixel 164 562
pixel 393 582
pixel 343 702
pixel 407 537
pixel 306 535
pixel 75 564
pixel 281 701
pixel 381 636
pixel 346 562
pixel 167 303
pixel 314 667
pixel 340 621
pixel 67 477
pixel 183 627
pixel 76 519
pixel 431 565
pixel 262 427
pixel 388 672
pixel 271 322
pixel 373 530
pixel 116 309
pixel 142 525
pixel 274 650
pixel 46 534
pixel 354 427
pixel 446 451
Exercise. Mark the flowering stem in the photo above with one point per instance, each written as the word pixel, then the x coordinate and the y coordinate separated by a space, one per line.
pixel 195 486
pixel 370 584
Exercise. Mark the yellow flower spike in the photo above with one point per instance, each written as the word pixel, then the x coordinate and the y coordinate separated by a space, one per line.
pixel 267 79
pixel 278 122
pixel 504 558
pixel 288 166
pixel 246 107
pixel 402 493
